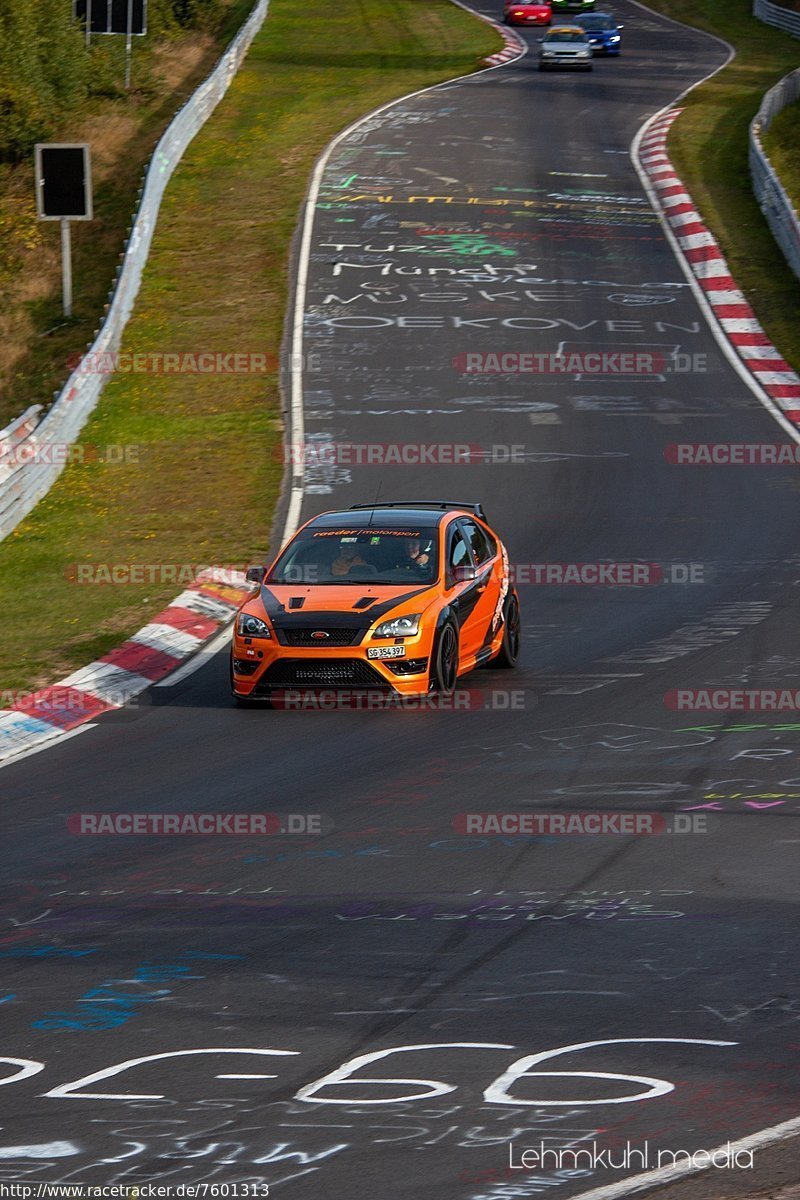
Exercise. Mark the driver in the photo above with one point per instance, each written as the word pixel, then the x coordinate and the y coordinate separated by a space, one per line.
pixel 413 554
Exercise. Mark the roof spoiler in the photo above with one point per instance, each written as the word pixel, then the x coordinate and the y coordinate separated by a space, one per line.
pixel 469 505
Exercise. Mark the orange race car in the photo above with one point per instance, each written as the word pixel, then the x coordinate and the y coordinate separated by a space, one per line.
pixel 397 597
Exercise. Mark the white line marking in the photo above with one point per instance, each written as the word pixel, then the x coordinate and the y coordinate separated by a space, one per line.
pixel 666 1175
pixel 247 1076
pixel 58 736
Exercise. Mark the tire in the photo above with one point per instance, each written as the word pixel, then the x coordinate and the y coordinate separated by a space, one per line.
pixel 444 669
pixel 506 657
pixel 542 67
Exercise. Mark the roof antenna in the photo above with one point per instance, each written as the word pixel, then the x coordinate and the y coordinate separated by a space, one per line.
pixel 374 502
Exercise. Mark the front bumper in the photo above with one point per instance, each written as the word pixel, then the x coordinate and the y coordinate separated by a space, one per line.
pixel 565 60
pixel 265 668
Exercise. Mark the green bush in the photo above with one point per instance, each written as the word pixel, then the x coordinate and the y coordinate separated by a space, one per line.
pixel 46 70
pixel 43 71
pixel 171 16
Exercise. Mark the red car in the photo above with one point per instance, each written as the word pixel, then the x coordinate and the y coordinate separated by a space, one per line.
pixel 527 14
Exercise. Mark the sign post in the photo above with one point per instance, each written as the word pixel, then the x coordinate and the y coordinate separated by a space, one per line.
pixel 64 193
pixel 128 17
pixel 66 267
pixel 128 46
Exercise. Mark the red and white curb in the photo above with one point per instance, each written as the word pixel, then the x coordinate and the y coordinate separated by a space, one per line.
pixel 174 635
pixel 515 46
pixel 707 263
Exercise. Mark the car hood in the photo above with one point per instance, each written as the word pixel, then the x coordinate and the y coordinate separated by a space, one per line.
pixel 358 604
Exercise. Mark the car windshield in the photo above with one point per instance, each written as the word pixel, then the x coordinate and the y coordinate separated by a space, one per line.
pixel 565 35
pixel 597 22
pixel 363 556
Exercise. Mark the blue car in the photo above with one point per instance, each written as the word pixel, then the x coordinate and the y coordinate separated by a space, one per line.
pixel 602 31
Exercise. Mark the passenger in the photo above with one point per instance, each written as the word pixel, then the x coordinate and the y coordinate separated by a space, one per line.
pixel 347 558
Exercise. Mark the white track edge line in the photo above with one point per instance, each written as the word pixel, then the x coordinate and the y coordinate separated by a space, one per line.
pixel 59 736
pixel 667 1175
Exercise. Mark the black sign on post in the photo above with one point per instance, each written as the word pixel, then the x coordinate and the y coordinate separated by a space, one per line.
pixel 63 182
pixel 64 193
pixel 111 16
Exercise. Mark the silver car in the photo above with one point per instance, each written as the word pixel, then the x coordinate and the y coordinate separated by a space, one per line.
pixel 565 46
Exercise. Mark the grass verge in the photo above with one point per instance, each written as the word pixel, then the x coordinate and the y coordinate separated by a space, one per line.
pixel 782 145
pixel 209 446
pixel 708 145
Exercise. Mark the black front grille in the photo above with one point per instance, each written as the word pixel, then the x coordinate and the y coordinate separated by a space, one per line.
pixel 305 637
pixel 322 673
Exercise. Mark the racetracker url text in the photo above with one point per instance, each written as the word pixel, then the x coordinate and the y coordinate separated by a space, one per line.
pixel 256 1190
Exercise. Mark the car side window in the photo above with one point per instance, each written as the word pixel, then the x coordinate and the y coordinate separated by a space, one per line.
pixel 459 550
pixel 482 547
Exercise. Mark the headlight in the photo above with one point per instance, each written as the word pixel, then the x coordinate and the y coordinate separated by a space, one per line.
pixel 614 37
pixel 399 627
pixel 249 626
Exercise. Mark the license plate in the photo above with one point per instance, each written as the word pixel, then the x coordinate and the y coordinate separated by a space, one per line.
pixel 386 652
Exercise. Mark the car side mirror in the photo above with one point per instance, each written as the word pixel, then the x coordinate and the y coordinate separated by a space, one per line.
pixel 256 575
pixel 464 574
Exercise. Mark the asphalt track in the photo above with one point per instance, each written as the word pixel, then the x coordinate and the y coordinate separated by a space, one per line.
pixel 392 930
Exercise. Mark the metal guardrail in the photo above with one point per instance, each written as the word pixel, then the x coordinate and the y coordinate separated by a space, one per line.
pixel 782 18
pixel 30 465
pixel 772 198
